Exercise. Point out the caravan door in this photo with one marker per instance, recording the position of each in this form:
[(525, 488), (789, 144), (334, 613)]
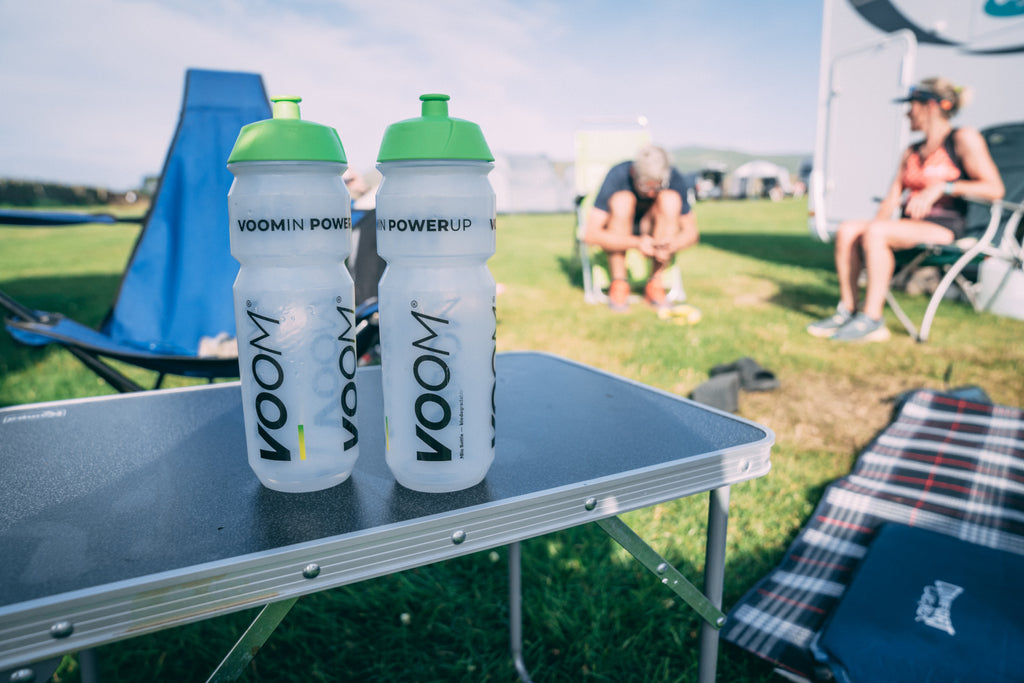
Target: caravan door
[(861, 131)]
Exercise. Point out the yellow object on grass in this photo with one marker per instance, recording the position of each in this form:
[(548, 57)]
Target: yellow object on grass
[(681, 314)]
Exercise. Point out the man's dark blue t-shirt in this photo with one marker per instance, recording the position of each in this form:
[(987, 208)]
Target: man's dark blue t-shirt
[(619, 178)]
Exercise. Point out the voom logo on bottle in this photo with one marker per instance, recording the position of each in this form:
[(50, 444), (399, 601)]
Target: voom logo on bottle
[(335, 381), (325, 385), (266, 369), (432, 375)]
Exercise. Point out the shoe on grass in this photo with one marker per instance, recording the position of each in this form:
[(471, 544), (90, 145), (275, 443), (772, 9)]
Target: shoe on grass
[(654, 293), (829, 326), (618, 296), (862, 328)]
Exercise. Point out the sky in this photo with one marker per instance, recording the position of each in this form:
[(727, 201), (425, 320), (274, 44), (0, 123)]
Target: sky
[(90, 90)]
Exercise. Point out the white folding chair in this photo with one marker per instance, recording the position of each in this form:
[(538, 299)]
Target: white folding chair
[(995, 235)]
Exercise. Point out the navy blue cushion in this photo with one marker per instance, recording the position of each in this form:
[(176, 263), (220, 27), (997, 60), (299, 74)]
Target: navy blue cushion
[(924, 606)]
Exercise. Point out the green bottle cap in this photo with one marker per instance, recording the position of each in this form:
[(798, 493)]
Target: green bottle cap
[(286, 137), (434, 135)]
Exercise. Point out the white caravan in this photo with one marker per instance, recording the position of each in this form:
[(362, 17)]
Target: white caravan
[(872, 51)]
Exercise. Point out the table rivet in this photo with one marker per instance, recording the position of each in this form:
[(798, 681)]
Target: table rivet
[(23, 676), (663, 567), (591, 503), (720, 622), (62, 629), (745, 466), (458, 537), (311, 570)]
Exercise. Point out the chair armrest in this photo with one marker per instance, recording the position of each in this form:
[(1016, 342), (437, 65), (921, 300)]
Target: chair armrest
[(1003, 238), (1001, 204)]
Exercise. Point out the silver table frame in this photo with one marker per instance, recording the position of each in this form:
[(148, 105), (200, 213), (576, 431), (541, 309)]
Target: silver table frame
[(574, 445)]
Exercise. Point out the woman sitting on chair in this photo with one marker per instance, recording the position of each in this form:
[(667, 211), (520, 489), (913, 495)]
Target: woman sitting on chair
[(936, 172)]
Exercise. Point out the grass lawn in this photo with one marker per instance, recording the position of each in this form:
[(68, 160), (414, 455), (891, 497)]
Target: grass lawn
[(591, 612)]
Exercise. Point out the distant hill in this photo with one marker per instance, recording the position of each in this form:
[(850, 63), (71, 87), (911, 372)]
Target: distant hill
[(689, 159)]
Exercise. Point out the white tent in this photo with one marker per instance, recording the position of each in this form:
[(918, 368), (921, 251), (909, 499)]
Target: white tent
[(760, 178)]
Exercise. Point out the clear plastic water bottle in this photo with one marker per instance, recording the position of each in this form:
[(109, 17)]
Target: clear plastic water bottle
[(291, 229), (436, 230)]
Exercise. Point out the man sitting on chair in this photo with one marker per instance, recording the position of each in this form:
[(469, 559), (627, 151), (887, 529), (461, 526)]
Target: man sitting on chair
[(642, 204)]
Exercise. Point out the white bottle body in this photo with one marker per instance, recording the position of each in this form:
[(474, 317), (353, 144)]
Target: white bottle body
[(291, 230), (435, 229)]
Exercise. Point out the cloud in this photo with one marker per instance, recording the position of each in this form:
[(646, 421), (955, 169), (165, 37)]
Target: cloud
[(92, 90)]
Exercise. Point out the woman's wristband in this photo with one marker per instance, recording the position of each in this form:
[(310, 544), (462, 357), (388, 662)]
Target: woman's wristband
[(948, 189)]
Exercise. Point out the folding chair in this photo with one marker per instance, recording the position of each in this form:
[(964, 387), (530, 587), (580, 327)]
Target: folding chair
[(993, 232), (950, 464), (599, 146), (176, 289)]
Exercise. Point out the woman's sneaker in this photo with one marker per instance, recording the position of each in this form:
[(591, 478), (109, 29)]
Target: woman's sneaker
[(861, 328), (829, 326)]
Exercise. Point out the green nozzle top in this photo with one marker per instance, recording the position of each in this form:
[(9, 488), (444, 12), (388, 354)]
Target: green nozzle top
[(286, 137), (286, 107), (434, 135)]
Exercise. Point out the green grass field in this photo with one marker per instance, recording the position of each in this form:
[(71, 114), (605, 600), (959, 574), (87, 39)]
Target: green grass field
[(591, 612)]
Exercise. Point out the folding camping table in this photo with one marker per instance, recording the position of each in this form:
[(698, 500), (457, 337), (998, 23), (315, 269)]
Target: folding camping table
[(128, 514)]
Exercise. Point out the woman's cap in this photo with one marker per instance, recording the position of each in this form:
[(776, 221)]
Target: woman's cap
[(921, 93)]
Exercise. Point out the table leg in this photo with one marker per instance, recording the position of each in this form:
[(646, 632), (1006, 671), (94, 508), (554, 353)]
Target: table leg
[(89, 667), (251, 641), (714, 580), (515, 617), (707, 604)]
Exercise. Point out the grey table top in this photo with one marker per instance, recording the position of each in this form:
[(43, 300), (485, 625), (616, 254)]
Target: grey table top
[(106, 500)]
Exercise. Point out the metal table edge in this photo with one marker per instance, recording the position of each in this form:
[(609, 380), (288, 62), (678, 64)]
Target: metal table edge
[(108, 613)]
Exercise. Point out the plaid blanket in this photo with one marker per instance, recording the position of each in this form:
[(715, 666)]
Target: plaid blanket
[(945, 464)]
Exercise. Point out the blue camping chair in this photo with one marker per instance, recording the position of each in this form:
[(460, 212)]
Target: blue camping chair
[(176, 289)]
